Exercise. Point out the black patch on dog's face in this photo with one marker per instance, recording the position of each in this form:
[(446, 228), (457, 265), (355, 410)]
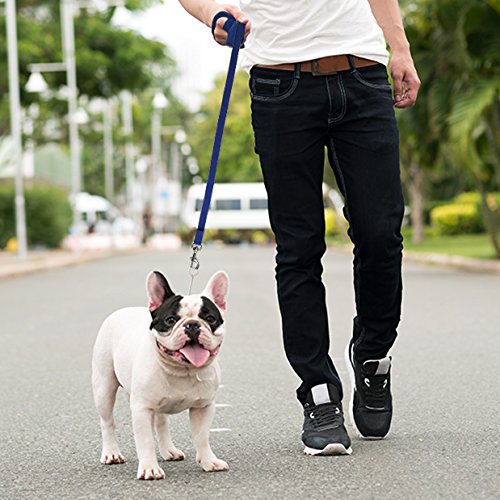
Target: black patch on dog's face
[(210, 313), (167, 315)]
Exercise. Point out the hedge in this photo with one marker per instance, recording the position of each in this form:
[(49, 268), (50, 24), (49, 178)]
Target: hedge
[(48, 215)]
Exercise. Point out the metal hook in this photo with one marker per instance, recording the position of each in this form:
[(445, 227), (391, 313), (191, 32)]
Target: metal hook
[(194, 267)]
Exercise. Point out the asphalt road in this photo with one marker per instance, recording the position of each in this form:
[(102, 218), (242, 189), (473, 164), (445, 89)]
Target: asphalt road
[(444, 439)]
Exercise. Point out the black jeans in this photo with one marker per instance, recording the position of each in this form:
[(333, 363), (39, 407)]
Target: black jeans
[(294, 116)]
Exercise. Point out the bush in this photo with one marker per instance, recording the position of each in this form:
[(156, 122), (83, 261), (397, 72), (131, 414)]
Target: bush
[(331, 225), (457, 218), (48, 215)]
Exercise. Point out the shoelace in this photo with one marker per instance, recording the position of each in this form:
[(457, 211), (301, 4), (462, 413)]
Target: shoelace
[(375, 389), (325, 414)]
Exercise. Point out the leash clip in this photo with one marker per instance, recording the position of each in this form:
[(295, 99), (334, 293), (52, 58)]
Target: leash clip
[(194, 267)]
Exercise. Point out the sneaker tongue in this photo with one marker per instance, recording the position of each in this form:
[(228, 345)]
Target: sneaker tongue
[(323, 394), (195, 354), (377, 367)]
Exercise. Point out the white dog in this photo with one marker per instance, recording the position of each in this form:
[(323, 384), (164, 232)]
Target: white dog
[(164, 358)]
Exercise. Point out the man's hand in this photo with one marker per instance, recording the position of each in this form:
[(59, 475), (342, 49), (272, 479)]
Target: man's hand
[(220, 35), (405, 80), (205, 10)]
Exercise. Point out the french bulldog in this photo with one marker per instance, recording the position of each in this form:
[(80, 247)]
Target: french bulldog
[(164, 356)]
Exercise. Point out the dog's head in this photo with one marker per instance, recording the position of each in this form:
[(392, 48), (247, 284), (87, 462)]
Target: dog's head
[(188, 329)]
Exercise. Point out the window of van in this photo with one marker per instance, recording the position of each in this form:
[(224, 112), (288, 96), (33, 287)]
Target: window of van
[(198, 205), (227, 204), (258, 204)]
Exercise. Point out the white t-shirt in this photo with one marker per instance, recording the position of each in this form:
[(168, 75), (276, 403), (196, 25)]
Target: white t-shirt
[(288, 31)]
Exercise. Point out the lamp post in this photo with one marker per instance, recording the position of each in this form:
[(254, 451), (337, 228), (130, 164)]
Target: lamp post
[(126, 98), (36, 83), (105, 107), (159, 193), (15, 124), (160, 102)]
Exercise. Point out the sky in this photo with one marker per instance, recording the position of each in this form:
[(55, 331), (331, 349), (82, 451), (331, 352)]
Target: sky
[(199, 57)]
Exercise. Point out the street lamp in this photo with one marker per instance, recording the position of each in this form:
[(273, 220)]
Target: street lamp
[(36, 83), (105, 106), (15, 124), (160, 102)]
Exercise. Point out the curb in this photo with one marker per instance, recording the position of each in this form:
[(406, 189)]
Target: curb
[(454, 261), (440, 260), (11, 267)]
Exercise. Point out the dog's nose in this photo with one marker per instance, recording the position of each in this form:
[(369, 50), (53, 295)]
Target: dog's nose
[(192, 329)]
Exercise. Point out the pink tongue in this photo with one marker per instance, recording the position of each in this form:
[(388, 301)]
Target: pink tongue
[(195, 354)]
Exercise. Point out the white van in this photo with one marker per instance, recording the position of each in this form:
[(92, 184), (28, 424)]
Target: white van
[(233, 206)]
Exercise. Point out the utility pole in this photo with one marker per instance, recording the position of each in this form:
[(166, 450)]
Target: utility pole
[(108, 150), (15, 127), (68, 38)]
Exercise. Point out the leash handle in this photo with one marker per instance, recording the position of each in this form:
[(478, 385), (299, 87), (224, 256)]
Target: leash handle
[(235, 30), (236, 33)]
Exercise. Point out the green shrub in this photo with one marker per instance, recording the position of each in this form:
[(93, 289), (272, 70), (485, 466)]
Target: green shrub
[(331, 226), (457, 218), (472, 198), (48, 215)]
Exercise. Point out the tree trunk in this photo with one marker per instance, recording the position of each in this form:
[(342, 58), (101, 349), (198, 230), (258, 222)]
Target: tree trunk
[(416, 193), (489, 221)]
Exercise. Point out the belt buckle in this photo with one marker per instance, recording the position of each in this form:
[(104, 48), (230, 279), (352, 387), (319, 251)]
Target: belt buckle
[(316, 70)]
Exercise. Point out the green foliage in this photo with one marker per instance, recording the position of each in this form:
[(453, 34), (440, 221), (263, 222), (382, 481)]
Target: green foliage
[(457, 218), (453, 132), (48, 215), (238, 161), (331, 225)]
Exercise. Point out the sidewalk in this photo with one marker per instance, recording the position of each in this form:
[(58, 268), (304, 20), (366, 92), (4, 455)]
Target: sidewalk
[(43, 260)]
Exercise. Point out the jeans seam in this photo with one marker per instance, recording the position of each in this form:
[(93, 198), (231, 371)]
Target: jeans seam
[(278, 98), (344, 100), (361, 80)]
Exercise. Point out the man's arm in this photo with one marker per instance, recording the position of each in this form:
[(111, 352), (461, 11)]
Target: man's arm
[(205, 10), (403, 72)]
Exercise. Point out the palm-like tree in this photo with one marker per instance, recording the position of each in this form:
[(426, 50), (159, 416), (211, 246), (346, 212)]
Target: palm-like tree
[(456, 46)]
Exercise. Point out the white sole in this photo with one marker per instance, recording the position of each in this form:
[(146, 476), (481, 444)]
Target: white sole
[(329, 449)]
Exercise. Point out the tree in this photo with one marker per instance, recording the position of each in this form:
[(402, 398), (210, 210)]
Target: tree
[(238, 161), (456, 47), (108, 59)]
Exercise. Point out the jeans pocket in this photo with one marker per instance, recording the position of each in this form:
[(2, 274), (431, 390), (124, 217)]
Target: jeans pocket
[(374, 77), (272, 85)]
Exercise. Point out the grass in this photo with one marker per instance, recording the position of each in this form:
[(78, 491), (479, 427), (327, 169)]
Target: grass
[(477, 246)]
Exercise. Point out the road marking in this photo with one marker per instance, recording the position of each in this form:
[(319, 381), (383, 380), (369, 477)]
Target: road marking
[(221, 429), (222, 405)]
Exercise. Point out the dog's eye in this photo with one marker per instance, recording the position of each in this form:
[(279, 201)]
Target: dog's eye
[(170, 321), (211, 319)]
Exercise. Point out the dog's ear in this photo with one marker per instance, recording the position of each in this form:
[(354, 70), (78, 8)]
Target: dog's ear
[(158, 290), (217, 288)]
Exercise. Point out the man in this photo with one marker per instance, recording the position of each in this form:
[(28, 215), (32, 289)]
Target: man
[(318, 78)]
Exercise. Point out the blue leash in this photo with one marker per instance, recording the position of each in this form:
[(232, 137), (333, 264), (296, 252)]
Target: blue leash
[(235, 35)]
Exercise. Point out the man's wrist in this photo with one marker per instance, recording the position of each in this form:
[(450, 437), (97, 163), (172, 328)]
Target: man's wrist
[(209, 12), (396, 38)]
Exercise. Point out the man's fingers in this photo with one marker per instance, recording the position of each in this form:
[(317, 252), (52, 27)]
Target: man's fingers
[(397, 80), (410, 92), (220, 34)]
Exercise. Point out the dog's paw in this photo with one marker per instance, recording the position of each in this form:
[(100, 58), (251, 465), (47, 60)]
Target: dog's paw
[(172, 455), (112, 457), (150, 472), (212, 464)]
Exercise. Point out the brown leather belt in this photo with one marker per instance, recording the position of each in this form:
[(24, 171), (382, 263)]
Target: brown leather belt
[(324, 66)]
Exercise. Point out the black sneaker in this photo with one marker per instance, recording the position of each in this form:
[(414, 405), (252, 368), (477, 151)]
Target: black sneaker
[(324, 432), (371, 403)]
